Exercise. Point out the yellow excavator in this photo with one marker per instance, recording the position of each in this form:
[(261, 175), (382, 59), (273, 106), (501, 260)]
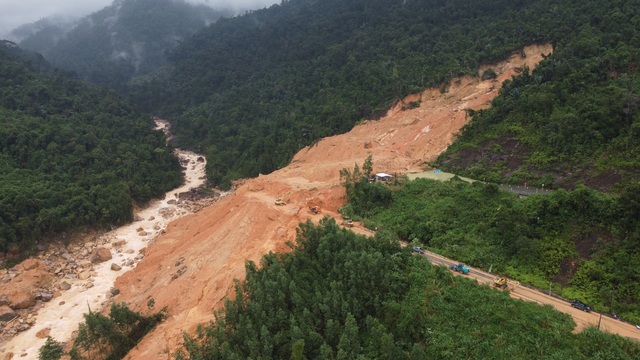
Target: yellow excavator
[(503, 282)]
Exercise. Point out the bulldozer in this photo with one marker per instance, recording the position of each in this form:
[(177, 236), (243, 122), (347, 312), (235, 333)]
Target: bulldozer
[(503, 282)]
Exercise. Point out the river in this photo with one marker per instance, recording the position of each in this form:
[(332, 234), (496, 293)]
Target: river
[(62, 315)]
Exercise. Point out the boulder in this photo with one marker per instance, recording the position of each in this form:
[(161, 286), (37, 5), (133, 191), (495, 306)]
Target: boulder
[(116, 267), (43, 296), (100, 255), (30, 264), (7, 314), (118, 243), (64, 285), (22, 300), (43, 333), (4, 300), (84, 275), (114, 291)]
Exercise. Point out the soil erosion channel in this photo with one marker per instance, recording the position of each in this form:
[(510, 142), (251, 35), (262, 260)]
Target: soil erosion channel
[(61, 316)]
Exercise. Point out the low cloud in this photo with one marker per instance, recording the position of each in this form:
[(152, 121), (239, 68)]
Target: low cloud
[(14, 13)]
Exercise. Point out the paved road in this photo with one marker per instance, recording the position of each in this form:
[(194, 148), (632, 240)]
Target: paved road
[(444, 176), (581, 318)]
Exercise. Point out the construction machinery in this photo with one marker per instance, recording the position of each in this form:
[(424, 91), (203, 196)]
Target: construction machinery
[(315, 210), (281, 200), (461, 268), (503, 282)]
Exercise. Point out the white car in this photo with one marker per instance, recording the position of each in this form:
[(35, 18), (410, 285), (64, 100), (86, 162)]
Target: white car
[(418, 249)]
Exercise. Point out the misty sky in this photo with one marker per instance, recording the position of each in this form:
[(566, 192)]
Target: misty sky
[(14, 13)]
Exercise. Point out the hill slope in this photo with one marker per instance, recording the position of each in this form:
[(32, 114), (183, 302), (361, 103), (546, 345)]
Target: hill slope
[(70, 155), (315, 68), (214, 243), (573, 120)]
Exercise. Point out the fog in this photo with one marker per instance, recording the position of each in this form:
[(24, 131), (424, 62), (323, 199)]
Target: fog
[(14, 13)]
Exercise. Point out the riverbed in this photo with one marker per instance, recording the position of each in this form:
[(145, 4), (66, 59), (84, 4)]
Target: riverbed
[(61, 316)]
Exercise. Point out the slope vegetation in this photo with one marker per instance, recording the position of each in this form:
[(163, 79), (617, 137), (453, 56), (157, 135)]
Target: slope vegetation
[(573, 120)]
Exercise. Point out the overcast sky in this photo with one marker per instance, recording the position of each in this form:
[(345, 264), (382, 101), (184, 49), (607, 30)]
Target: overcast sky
[(14, 13)]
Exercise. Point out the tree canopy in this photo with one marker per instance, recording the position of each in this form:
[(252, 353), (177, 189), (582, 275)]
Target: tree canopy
[(71, 155)]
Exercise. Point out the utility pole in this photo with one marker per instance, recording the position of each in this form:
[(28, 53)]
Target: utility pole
[(599, 320)]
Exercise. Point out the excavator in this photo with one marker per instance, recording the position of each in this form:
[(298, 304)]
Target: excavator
[(315, 210), (503, 282)]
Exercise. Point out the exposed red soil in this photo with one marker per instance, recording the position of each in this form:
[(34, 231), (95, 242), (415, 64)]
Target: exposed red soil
[(214, 243)]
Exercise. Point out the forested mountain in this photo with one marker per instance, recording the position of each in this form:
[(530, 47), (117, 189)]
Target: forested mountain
[(70, 155), (574, 119), (254, 89), (124, 40)]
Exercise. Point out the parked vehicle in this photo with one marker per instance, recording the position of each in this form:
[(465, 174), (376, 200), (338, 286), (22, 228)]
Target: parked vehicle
[(580, 306), (418, 249)]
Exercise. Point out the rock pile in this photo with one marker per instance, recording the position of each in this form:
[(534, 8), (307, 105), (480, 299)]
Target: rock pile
[(26, 286)]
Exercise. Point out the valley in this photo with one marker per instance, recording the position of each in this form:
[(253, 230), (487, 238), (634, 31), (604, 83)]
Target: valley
[(77, 280)]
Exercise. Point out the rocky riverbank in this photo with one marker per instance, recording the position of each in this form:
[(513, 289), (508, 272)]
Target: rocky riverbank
[(48, 294)]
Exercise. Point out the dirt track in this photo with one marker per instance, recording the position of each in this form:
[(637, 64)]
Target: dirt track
[(581, 318)]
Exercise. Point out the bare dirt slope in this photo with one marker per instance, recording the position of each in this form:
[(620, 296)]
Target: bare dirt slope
[(191, 268)]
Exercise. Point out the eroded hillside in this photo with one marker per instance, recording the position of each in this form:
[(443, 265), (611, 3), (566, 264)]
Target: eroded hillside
[(191, 268)]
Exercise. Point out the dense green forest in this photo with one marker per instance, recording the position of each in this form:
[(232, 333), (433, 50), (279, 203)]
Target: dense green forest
[(583, 242), (71, 155), (125, 40), (574, 119), (250, 91), (339, 295)]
